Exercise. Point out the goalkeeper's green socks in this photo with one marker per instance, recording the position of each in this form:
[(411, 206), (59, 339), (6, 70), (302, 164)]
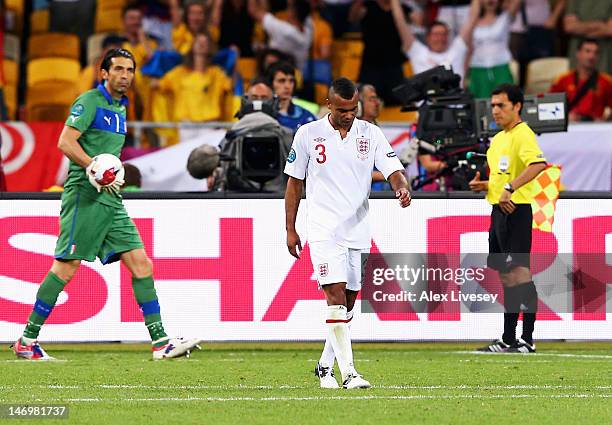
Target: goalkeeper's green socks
[(46, 297), (146, 297)]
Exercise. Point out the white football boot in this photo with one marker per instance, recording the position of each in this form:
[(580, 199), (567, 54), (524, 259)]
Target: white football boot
[(355, 380), (175, 347), (326, 376)]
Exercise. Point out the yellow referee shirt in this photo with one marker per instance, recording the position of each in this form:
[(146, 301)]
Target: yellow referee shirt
[(509, 154)]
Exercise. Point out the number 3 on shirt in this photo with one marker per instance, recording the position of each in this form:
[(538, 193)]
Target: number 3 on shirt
[(321, 158)]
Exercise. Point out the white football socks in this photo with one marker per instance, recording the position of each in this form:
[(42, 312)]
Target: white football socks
[(337, 323), (328, 356)]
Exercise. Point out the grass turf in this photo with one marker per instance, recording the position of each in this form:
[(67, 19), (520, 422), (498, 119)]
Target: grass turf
[(268, 383)]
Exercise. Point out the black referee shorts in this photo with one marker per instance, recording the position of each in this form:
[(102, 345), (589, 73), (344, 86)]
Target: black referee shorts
[(510, 238)]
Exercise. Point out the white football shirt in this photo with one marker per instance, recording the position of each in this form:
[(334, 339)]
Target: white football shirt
[(338, 175)]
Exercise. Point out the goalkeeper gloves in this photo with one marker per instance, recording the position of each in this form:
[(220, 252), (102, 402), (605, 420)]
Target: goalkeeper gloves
[(108, 180)]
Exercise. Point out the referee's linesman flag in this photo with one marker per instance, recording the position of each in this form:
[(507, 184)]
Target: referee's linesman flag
[(545, 191)]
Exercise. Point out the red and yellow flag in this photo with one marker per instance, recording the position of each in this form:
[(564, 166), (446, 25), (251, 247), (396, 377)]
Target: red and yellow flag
[(545, 191)]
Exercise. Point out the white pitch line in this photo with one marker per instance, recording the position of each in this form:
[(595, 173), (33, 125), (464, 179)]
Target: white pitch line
[(295, 387), (539, 354), (323, 398)]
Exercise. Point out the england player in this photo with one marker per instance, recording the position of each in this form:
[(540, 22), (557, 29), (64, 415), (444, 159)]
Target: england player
[(93, 220), (336, 155)]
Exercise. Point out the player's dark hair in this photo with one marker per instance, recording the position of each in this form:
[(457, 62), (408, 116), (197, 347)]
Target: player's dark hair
[(514, 93), (116, 53), (435, 24), (281, 66), (344, 88), (587, 40)]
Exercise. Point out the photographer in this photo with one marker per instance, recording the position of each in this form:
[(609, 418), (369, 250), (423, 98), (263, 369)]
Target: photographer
[(257, 124)]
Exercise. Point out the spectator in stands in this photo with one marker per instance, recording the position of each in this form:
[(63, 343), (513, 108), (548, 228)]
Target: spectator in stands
[(198, 88), (438, 51), (156, 21), (282, 79), (382, 59), (142, 48), (590, 19), (236, 26), (336, 12), (293, 36), (133, 31), (268, 56), (589, 91), (454, 14), (194, 20), (491, 57), (532, 34)]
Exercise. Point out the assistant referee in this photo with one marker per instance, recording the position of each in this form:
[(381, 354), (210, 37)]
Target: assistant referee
[(514, 160)]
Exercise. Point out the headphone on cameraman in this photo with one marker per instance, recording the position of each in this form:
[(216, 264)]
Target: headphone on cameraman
[(360, 88)]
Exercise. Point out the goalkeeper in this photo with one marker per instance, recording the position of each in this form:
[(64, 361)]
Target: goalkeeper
[(93, 220)]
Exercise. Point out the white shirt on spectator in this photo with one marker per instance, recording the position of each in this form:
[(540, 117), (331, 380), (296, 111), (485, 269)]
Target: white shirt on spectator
[(288, 39), (491, 43), (422, 58), (338, 175)]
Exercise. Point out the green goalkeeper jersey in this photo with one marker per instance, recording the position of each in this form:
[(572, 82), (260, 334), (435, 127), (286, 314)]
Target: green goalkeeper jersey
[(102, 123)]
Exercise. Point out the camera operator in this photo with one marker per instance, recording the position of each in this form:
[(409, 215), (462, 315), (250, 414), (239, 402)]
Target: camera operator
[(257, 118)]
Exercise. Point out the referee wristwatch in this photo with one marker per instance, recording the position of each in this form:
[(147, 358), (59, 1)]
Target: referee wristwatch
[(509, 187)]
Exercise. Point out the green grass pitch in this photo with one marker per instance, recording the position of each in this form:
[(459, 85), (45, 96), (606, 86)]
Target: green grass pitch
[(268, 383)]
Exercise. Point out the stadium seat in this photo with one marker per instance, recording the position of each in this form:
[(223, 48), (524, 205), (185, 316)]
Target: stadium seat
[(50, 101), (94, 46), (108, 20), (14, 16), (541, 73), (10, 100), (11, 78), (52, 69), (111, 4), (39, 21), (514, 70), (53, 45), (12, 47), (11, 72)]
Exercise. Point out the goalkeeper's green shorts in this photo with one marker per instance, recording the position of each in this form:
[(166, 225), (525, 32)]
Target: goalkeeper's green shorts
[(89, 229)]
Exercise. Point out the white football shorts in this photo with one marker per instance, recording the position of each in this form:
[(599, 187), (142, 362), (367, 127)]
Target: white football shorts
[(333, 263)]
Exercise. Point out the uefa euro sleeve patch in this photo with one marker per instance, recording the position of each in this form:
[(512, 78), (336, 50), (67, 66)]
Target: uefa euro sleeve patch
[(77, 110), (292, 156)]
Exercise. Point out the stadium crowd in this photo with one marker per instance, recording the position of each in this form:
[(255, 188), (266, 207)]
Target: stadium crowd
[(196, 58)]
